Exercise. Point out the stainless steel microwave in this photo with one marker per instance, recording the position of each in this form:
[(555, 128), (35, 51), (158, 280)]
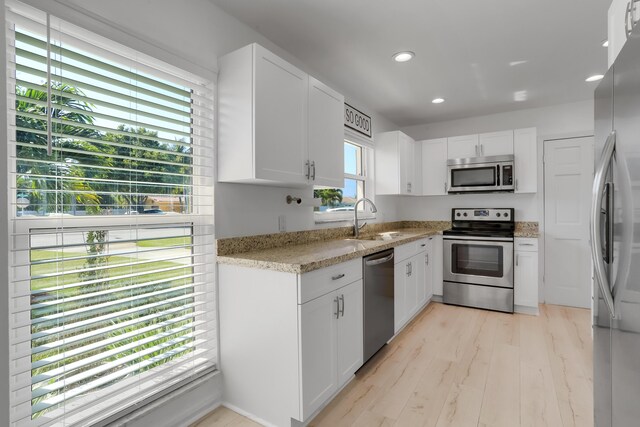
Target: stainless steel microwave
[(480, 174)]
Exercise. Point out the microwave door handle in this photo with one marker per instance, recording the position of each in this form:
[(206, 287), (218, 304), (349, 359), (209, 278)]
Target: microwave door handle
[(498, 176), (599, 186)]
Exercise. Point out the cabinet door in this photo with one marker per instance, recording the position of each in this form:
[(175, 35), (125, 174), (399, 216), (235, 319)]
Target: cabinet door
[(420, 267), (280, 119), (437, 264), (434, 167), (326, 135), (406, 154), (526, 279), (496, 143), (526, 160), (429, 272), (350, 331), (400, 275), (318, 336), (462, 146), (411, 288)]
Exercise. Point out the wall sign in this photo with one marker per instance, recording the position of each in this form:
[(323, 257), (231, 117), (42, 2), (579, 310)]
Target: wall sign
[(357, 120)]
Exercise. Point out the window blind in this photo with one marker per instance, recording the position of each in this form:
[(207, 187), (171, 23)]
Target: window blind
[(112, 251)]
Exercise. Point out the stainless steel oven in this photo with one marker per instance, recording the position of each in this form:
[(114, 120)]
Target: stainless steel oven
[(479, 260), (481, 174)]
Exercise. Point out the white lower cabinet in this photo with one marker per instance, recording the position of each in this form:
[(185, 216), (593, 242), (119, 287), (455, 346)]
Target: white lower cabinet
[(331, 344), (437, 264), (288, 342), (525, 275), (413, 280)]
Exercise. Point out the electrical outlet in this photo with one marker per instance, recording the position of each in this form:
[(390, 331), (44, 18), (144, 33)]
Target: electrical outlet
[(282, 223)]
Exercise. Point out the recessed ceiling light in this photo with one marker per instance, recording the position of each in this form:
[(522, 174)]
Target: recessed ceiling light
[(438, 101), (403, 56), (594, 78), (605, 43)]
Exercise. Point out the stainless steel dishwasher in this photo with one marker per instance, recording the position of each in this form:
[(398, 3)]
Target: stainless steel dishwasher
[(378, 301)]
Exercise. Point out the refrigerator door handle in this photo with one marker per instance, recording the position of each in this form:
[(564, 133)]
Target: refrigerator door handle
[(596, 209)]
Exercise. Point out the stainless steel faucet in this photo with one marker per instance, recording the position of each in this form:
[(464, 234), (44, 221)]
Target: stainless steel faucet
[(356, 227)]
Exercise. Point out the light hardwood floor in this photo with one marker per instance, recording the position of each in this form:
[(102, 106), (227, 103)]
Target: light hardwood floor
[(455, 366)]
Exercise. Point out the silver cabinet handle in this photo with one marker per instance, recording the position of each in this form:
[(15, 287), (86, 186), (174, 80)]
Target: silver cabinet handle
[(337, 313), (337, 276), (342, 310), (596, 209), (516, 184), (445, 187), (313, 168), (423, 245), (408, 187), (477, 150), (525, 244), (517, 259), (427, 259), (308, 166), (481, 150)]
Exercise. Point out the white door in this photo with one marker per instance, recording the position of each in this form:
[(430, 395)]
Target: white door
[(319, 358), (496, 143), (411, 288), (420, 266), (281, 93), (429, 271), (400, 276), (434, 167), (568, 176), (350, 329), (462, 146), (406, 151), (326, 135), (525, 148), (525, 277), (437, 263)]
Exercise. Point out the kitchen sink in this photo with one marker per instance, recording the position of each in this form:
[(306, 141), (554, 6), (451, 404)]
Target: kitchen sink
[(383, 236)]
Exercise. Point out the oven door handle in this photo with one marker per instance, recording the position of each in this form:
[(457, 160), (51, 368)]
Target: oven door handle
[(479, 238)]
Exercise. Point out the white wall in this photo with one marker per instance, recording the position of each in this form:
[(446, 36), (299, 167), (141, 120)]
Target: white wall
[(553, 121)]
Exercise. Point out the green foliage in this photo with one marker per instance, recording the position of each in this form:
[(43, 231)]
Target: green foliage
[(330, 197)]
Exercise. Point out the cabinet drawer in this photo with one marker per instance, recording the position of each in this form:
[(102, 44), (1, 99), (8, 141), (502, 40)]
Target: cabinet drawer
[(320, 282), (526, 244), (405, 251)]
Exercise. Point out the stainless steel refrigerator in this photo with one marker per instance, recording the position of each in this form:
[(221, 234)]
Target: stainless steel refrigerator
[(615, 240)]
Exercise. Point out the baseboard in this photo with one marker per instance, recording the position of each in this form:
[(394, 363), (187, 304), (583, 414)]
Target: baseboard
[(436, 298), (248, 415), (525, 309), (294, 423)]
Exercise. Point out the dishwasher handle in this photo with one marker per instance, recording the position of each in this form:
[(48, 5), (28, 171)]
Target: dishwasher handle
[(377, 261)]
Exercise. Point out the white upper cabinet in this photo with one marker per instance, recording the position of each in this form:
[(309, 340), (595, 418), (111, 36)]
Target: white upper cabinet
[(326, 135), (463, 146), (434, 166), (622, 16), (525, 147), (272, 119), (495, 143), (396, 170)]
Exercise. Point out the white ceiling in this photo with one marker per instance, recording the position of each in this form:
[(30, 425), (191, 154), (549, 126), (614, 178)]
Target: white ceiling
[(477, 54)]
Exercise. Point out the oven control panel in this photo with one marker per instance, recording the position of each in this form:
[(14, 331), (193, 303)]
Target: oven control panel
[(483, 214)]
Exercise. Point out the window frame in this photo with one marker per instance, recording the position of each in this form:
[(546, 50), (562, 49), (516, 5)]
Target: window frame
[(366, 178), (109, 401)]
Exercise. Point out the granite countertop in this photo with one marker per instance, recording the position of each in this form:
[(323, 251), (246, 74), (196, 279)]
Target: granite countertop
[(307, 257)]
